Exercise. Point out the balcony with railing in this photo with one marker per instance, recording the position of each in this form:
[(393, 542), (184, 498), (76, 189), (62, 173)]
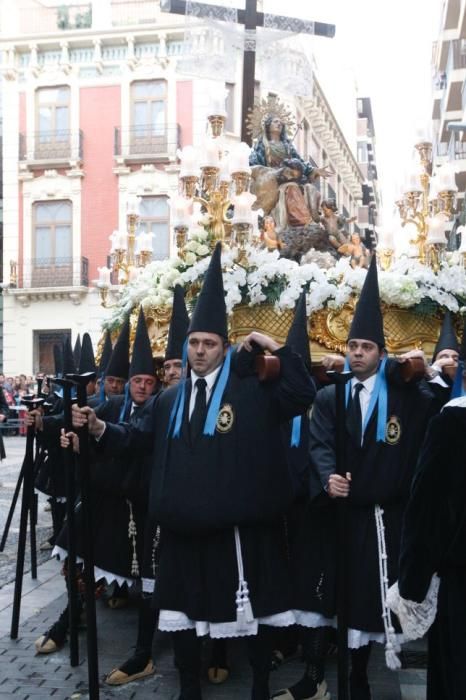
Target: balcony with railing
[(147, 143), (456, 147), (54, 272), (46, 148)]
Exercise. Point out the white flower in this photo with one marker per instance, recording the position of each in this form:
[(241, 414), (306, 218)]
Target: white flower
[(202, 250), (190, 258), (192, 245)]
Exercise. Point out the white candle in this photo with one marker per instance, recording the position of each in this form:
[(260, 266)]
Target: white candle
[(180, 208), (446, 178), (243, 208), (132, 205), (121, 241), (225, 170), (436, 230), (145, 245), (189, 162), (104, 276), (239, 159), (113, 238), (217, 105), (413, 182), (386, 238), (210, 157)]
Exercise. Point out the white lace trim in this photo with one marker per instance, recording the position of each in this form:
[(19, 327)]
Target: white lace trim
[(392, 647), (356, 638), (176, 621), (99, 573), (148, 585), (415, 618)]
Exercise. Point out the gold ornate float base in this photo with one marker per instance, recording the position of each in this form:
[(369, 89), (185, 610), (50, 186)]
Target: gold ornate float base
[(328, 328)]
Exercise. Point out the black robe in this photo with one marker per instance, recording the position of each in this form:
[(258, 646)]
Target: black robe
[(434, 540), (199, 491), (381, 475), (4, 411), (111, 491)]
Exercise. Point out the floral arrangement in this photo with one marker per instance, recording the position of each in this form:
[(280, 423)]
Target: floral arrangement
[(265, 278)]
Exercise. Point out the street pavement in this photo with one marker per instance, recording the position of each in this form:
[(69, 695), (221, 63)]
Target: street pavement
[(27, 676)]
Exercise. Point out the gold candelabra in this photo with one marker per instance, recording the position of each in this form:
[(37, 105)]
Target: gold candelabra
[(415, 207), (127, 261)]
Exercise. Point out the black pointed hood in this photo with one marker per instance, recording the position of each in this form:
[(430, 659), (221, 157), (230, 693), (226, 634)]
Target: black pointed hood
[(69, 366), (367, 323), (87, 359), (77, 351), (297, 337), (106, 354), (58, 360), (210, 314), (141, 361), (178, 329), (447, 339), (118, 365)]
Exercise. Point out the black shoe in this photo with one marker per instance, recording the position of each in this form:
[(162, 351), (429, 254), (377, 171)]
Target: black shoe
[(360, 689)]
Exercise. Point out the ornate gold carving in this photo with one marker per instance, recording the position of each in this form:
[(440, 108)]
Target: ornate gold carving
[(328, 328), (158, 321)]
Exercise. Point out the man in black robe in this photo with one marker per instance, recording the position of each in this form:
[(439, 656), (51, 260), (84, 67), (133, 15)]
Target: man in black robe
[(220, 487), (140, 664), (434, 541), (386, 418)]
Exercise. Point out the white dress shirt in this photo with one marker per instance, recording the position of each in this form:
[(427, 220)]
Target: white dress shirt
[(364, 394), (210, 380)]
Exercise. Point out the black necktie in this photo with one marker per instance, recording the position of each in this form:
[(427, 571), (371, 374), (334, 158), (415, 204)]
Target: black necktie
[(198, 416), (354, 415)]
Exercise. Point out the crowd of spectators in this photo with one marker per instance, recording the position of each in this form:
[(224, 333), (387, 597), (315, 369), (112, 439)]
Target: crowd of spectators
[(14, 388)]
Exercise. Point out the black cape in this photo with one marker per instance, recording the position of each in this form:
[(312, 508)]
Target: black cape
[(434, 540), (237, 477)]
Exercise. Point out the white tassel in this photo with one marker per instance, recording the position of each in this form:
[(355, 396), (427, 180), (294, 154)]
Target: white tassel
[(391, 645), (244, 614), (132, 534)]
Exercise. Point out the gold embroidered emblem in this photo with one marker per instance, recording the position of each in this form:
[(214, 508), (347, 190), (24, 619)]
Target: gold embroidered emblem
[(393, 430), (225, 418)]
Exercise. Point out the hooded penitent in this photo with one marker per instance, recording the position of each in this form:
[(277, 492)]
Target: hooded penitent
[(447, 339), (87, 360), (141, 361), (210, 313), (367, 321), (118, 365), (106, 353), (178, 329)]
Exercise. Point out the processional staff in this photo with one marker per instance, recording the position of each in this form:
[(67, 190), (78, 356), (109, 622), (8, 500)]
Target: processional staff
[(71, 571), (27, 508), (340, 379), (81, 381)]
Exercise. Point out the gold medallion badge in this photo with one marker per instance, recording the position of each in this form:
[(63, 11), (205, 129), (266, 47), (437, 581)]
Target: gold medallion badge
[(393, 430), (225, 418)]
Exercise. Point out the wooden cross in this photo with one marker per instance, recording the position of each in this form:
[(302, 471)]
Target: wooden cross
[(252, 19)]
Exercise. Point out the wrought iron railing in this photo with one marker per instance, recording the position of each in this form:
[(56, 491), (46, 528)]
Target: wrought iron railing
[(56, 145), (147, 141), (54, 272)]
